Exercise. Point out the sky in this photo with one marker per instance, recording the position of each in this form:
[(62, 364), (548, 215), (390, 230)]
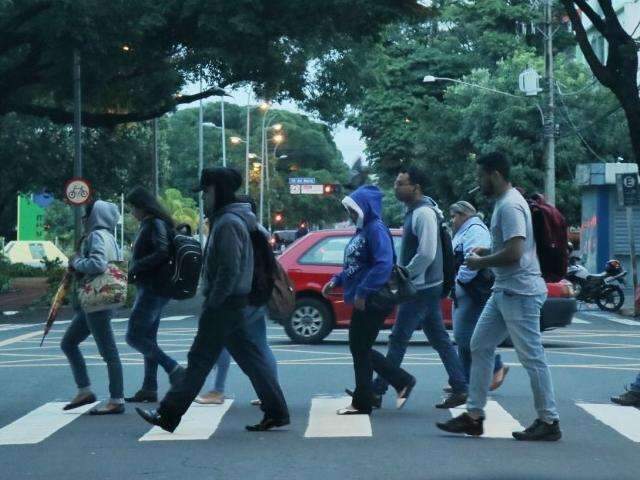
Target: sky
[(347, 139)]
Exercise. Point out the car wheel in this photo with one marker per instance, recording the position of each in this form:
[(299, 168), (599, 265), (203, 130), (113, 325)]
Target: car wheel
[(310, 322)]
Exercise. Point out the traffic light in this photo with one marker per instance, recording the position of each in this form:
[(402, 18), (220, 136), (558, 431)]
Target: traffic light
[(278, 217), (331, 188)]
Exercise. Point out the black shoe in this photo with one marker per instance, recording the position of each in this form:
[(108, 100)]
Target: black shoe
[(453, 400), (143, 396), (403, 395), (154, 418), (540, 432), (463, 423), (118, 410), (177, 376), (627, 399), (376, 400), (268, 424), (85, 401)]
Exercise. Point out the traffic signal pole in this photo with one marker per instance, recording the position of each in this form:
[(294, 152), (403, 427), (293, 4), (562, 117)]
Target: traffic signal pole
[(77, 136)]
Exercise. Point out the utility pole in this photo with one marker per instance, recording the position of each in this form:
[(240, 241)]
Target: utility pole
[(77, 135), (550, 123), (155, 180), (246, 145), (224, 140)]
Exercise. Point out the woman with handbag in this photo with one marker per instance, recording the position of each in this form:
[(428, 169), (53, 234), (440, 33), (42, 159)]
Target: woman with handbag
[(472, 288), (150, 270), (368, 264), (93, 266)]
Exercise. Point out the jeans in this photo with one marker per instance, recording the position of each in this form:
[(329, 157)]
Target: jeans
[(97, 324), (219, 328), (142, 335), (466, 313), (635, 386), (363, 331), (519, 317), (256, 328), (218, 381), (423, 311)]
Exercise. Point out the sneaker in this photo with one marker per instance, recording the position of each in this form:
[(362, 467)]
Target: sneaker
[(463, 423), (256, 402), (540, 431), (453, 400), (447, 389), (627, 399), (403, 395), (211, 398)]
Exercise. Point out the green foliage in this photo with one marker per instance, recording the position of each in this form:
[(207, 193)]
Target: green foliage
[(182, 209), (16, 270)]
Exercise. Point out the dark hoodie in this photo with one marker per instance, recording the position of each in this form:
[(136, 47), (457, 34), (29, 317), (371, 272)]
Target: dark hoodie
[(368, 259), (99, 246), (228, 262)]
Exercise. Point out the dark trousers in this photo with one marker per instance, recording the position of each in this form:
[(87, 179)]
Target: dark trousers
[(363, 331), (217, 329), (142, 334)]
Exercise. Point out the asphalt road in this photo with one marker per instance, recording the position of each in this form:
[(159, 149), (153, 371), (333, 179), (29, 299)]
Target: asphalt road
[(590, 361)]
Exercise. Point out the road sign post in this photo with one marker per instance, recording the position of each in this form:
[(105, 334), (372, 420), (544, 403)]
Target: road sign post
[(629, 196)]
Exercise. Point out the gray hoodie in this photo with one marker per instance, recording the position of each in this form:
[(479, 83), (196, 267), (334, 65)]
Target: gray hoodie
[(99, 246), (228, 262)]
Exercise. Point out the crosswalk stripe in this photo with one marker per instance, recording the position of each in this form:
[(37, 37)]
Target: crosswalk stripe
[(325, 423), (580, 321), (40, 423), (624, 420), (498, 424), (199, 423)]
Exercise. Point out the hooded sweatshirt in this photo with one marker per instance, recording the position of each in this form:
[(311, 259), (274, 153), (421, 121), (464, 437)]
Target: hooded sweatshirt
[(99, 246), (228, 261), (369, 255)]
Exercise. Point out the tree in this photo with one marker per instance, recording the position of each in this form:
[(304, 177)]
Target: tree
[(182, 209), (619, 70), (137, 55)]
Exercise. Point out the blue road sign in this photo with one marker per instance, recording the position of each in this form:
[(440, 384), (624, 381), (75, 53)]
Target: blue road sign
[(302, 181)]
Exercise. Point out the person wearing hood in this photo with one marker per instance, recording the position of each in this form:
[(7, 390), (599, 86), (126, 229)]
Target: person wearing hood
[(422, 255), (228, 269), (150, 271), (98, 248), (472, 288), (368, 262)]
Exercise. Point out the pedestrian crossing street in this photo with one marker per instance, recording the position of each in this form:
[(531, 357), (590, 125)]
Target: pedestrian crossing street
[(202, 421)]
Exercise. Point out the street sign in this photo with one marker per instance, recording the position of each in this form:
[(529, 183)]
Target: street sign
[(312, 189), (294, 189), (302, 180), (628, 189), (77, 191), (31, 225)]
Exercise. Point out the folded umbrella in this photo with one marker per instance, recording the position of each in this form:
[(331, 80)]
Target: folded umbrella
[(58, 299)]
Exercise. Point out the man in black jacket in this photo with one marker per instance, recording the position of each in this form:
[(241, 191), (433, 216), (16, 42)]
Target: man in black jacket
[(228, 274)]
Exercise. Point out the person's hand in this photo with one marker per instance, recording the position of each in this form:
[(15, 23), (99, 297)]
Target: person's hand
[(473, 261), (326, 290), (481, 251), (359, 303)]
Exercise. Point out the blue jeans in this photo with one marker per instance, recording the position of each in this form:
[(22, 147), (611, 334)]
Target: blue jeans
[(466, 313), (97, 324), (635, 386), (423, 311), (142, 335), (255, 326), (519, 317)]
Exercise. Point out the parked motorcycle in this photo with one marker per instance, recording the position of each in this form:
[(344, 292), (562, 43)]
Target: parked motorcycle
[(604, 289)]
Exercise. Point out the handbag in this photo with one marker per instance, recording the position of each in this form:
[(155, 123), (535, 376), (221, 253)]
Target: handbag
[(398, 289), (105, 291)]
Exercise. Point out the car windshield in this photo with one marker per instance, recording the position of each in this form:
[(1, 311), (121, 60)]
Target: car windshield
[(330, 251)]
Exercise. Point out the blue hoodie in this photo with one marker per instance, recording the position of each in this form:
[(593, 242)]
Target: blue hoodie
[(369, 256)]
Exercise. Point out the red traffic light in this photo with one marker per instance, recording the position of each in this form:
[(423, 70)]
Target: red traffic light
[(330, 188), (278, 217)]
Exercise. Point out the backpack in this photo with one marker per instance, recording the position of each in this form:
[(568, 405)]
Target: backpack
[(448, 257), (550, 233), (185, 266), (283, 298)]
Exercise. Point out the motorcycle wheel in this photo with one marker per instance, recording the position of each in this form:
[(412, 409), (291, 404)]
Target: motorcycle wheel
[(611, 299)]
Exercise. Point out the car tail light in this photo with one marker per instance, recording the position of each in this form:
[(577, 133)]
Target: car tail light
[(562, 289)]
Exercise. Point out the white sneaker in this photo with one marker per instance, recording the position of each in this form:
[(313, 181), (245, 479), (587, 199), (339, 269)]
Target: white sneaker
[(256, 402), (211, 398)]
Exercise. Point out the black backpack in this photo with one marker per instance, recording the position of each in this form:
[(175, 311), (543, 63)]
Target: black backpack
[(185, 267), (264, 268), (448, 261)]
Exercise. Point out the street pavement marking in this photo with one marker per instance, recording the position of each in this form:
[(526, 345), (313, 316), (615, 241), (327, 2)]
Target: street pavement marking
[(498, 424), (199, 423), (580, 321), (325, 423), (19, 338), (40, 423), (624, 321), (624, 420)]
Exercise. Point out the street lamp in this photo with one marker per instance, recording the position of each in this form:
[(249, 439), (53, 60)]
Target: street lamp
[(236, 140), (528, 83)]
